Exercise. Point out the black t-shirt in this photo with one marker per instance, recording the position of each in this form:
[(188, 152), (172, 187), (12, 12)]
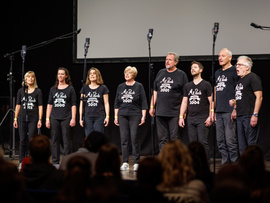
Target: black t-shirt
[(62, 100), (225, 88), (34, 100), (94, 103), (169, 87), (130, 100), (198, 103), (244, 93)]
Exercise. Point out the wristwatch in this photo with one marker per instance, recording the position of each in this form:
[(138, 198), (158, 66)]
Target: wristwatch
[(255, 114)]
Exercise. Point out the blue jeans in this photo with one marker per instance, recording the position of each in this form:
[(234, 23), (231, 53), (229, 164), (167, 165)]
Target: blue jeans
[(197, 131), (247, 135), (93, 124), (226, 138)]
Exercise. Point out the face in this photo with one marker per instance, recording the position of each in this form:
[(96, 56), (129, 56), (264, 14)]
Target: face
[(30, 79), (195, 70), (61, 76), (224, 57), (170, 61), (129, 75), (93, 76), (241, 68)]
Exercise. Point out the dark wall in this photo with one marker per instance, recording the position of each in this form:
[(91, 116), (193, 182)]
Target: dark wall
[(30, 23)]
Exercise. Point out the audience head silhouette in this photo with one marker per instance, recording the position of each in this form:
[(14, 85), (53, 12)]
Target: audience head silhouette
[(94, 141)]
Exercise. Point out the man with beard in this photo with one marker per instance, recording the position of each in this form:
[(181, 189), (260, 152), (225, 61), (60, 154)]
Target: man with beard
[(166, 99), (197, 100)]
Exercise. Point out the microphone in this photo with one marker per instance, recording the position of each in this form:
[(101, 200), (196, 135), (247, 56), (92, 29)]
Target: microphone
[(23, 51), (78, 31), (215, 29), (255, 25), (86, 45), (150, 34)]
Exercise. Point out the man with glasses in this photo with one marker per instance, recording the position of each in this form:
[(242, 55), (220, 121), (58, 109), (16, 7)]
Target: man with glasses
[(247, 102), (225, 82)]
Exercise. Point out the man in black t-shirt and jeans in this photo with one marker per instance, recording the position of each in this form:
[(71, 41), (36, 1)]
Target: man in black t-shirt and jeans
[(226, 78), (197, 100), (248, 100), (166, 100)]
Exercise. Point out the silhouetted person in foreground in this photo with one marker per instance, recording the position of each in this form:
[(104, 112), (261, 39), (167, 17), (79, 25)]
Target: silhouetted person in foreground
[(39, 173)]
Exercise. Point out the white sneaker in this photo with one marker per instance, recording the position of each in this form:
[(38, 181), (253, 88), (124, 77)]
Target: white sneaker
[(135, 167), (20, 167), (124, 167)]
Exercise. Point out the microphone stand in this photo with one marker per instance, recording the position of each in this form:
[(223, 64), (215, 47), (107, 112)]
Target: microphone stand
[(213, 100), (11, 80), (150, 89), (86, 46), (25, 90)]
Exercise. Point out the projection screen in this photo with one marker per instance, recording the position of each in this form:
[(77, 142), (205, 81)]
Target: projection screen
[(118, 28)]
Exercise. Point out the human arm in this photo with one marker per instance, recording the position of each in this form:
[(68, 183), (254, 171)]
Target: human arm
[(143, 117), (107, 109), (209, 120), (81, 110), (40, 114), (48, 115), (116, 117), (232, 102), (17, 111), (73, 116), (153, 103), (258, 103), (183, 109)]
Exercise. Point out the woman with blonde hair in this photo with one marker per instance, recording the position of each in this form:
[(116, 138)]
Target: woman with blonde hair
[(94, 105), (28, 111), (179, 181), (129, 113)]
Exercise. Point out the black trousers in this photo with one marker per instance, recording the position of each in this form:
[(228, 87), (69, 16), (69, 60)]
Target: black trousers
[(129, 128), (60, 130), (26, 131)]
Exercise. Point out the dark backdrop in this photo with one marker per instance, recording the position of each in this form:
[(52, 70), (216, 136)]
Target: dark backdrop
[(31, 22)]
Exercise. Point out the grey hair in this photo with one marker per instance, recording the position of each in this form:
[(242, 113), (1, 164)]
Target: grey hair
[(176, 56), (248, 61), (228, 51)]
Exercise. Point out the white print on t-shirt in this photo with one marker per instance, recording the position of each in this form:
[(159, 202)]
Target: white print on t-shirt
[(92, 98), (194, 96), (221, 83), (60, 99), (127, 96), (166, 84), (238, 93), (30, 102)]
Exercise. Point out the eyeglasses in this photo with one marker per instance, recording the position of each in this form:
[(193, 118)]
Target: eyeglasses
[(240, 64)]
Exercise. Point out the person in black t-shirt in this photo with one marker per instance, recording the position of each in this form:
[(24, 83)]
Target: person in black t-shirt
[(129, 113), (61, 114), (197, 100), (94, 110), (29, 104), (167, 97), (247, 102), (226, 78)]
